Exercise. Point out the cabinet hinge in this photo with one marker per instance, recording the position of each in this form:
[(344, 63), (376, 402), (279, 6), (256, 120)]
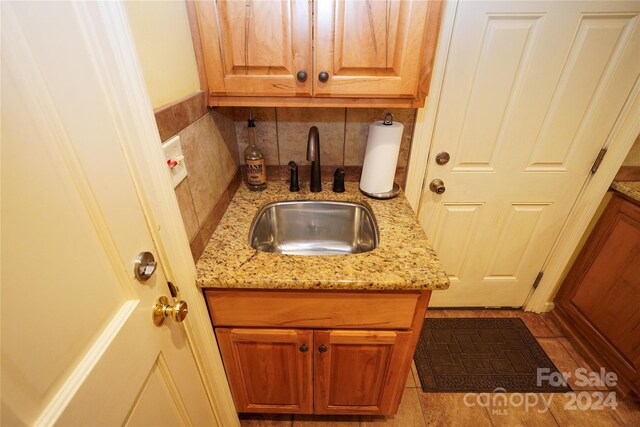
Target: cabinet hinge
[(596, 164), (538, 279)]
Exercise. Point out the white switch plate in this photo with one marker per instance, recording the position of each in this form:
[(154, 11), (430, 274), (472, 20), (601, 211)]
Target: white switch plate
[(173, 151)]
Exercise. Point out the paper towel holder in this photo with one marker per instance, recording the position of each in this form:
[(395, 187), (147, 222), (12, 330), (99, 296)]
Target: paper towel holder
[(388, 119)]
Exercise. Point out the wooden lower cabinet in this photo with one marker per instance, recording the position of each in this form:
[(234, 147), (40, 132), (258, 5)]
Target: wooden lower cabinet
[(340, 365), (360, 371), (598, 304), (269, 370)]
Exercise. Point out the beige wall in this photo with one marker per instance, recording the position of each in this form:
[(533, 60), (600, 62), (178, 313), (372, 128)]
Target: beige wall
[(163, 41), (633, 158)]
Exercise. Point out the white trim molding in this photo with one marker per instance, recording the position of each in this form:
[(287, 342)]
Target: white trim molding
[(618, 144), (426, 118)]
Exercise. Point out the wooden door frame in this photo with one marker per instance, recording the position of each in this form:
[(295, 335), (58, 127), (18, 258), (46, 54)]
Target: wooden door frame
[(618, 144), (116, 59)]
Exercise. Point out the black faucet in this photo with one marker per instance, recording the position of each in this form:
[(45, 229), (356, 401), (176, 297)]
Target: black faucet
[(313, 155), (293, 182)]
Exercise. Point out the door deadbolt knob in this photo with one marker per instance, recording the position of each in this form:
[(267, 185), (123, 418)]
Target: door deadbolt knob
[(162, 310), (443, 158), (437, 186), (322, 348), (323, 76), (301, 76)]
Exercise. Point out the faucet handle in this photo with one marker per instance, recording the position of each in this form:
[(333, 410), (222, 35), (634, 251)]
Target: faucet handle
[(293, 182), (338, 181)]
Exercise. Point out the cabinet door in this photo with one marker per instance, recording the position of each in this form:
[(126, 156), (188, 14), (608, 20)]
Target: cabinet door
[(359, 371), (600, 295), (373, 48), (269, 370), (256, 47)]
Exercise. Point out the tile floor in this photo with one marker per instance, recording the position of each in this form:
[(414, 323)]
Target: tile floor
[(419, 409)]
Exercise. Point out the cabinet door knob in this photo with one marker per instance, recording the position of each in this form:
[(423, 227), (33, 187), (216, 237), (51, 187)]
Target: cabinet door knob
[(323, 76), (322, 348), (304, 348), (302, 76)]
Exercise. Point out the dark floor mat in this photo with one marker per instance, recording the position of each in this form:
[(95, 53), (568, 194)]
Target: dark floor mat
[(481, 355)]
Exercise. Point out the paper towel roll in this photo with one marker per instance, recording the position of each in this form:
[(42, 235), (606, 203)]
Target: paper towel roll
[(381, 157)]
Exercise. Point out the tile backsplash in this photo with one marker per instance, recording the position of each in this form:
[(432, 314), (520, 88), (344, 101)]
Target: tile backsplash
[(210, 151), (281, 133)]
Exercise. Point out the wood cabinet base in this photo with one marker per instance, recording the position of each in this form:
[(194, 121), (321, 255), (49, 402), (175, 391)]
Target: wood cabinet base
[(335, 368), (597, 305)]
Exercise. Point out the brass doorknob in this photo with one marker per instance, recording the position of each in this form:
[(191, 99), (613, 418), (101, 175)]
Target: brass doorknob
[(437, 186), (162, 310)]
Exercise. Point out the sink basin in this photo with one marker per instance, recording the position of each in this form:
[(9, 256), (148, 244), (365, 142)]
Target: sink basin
[(314, 228)]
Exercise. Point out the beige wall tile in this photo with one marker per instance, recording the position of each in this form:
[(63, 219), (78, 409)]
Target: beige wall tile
[(357, 132), (201, 146), (225, 139), (293, 132), (187, 210), (266, 135)]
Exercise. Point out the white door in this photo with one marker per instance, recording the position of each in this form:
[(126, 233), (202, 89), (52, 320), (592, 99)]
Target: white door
[(78, 343), (531, 91)]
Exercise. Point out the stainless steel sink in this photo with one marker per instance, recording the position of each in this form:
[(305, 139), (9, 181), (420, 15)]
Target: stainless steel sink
[(314, 228)]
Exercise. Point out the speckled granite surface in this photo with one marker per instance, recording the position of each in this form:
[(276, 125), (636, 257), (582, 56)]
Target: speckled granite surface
[(629, 188), (404, 259)]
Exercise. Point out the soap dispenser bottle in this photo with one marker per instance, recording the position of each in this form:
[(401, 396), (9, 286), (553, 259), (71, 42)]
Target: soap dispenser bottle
[(254, 161)]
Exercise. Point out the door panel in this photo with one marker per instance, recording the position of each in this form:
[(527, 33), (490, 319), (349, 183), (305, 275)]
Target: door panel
[(368, 47), (256, 47), (359, 371), (531, 91), (78, 343), (267, 368)]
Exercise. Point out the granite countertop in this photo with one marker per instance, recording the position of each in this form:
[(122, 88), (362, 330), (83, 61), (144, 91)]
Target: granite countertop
[(404, 259), (628, 188)]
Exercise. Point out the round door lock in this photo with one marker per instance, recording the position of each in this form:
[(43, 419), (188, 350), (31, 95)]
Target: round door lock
[(304, 348), (322, 348), (443, 158), (323, 76), (161, 310), (301, 76), (144, 266), (437, 186)]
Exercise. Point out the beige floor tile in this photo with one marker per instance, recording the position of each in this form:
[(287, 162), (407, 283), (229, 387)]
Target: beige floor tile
[(409, 413), (629, 412), (562, 359), (416, 377), (567, 412), (265, 420), (536, 325), (326, 420), (521, 409), (449, 410), (410, 381), (552, 325), (435, 314)]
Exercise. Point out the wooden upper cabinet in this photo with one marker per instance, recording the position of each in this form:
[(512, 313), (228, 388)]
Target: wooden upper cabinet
[(255, 47), (360, 372), (269, 370), (374, 52), (370, 48)]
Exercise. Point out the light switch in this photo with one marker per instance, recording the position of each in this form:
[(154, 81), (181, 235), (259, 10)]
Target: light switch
[(175, 160)]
